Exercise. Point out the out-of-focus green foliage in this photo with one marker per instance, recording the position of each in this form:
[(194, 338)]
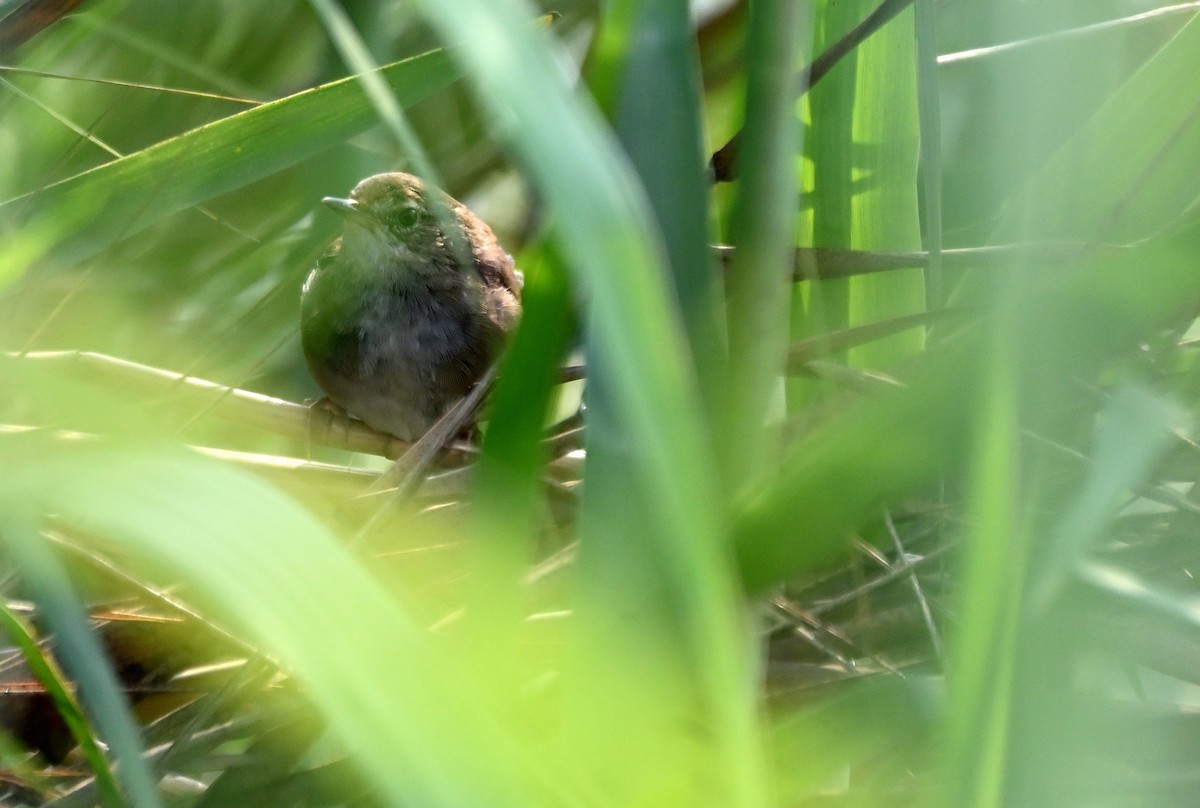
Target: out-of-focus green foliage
[(949, 565)]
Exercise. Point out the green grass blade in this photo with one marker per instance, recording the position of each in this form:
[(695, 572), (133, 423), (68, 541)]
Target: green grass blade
[(930, 115), (856, 725), (644, 73), (994, 576), (884, 213), (58, 689), (78, 647), (830, 167), (877, 450), (763, 230), (1130, 169), (258, 563), (1132, 432), (87, 213), (602, 221), (508, 480)]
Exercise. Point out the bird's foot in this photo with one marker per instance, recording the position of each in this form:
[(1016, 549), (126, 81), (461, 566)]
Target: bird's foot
[(323, 416)]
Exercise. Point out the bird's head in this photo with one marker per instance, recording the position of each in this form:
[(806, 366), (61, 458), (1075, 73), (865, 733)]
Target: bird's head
[(390, 225)]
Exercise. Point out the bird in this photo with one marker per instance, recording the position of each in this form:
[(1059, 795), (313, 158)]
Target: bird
[(402, 315)]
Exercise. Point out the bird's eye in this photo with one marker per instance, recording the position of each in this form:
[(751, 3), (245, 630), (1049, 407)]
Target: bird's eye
[(407, 217)]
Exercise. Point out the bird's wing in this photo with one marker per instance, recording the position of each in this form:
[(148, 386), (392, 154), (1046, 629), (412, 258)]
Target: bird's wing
[(497, 272)]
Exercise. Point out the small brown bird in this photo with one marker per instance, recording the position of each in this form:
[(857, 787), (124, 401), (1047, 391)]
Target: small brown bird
[(397, 321)]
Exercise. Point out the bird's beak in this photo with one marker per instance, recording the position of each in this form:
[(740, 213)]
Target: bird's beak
[(348, 208)]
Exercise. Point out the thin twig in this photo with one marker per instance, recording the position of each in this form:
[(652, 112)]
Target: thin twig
[(827, 263), (150, 384), (892, 574), (918, 590)]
